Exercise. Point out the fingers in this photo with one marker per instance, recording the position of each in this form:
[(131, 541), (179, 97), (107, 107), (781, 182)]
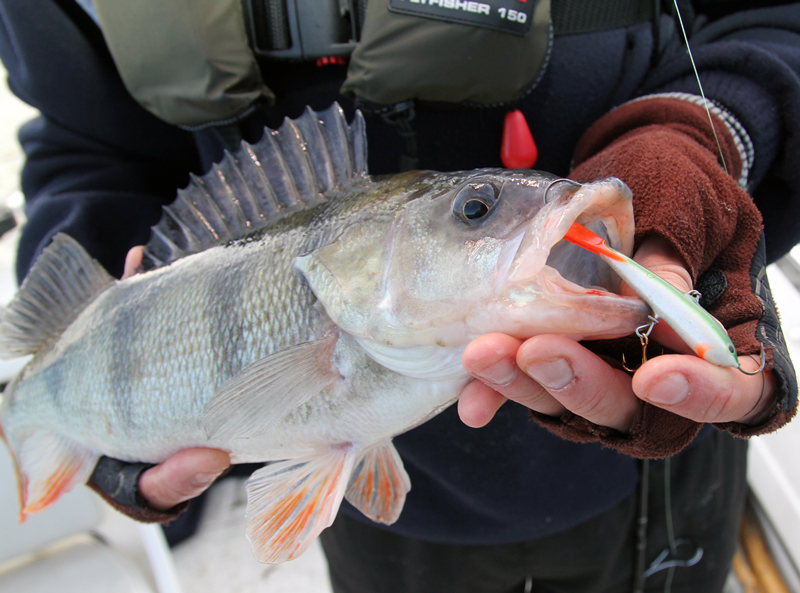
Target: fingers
[(687, 385), (133, 261), (551, 374), (555, 374), (659, 257), (695, 389), (181, 477), (580, 381), (548, 374), (478, 404), (492, 359)]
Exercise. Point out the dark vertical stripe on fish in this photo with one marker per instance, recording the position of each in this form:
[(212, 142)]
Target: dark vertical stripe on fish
[(224, 313), (122, 362)]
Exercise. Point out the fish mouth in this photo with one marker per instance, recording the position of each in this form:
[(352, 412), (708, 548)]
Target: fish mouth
[(604, 207), (583, 268), (546, 272)]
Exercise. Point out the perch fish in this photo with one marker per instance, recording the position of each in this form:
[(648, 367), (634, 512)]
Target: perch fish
[(300, 312)]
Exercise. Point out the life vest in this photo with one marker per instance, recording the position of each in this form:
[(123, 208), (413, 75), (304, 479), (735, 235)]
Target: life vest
[(197, 63)]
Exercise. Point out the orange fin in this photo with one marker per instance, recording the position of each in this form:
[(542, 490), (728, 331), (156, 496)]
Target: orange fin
[(289, 503), (379, 484), (49, 465)]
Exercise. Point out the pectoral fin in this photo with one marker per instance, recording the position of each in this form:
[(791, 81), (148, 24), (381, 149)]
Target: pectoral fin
[(379, 484), (290, 502), (49, 465), (263, 392)]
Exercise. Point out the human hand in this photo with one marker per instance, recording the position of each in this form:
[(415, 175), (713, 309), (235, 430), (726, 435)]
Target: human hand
[(133, 261), (665, 151), (552, 374), (182, 476), (189, 472)]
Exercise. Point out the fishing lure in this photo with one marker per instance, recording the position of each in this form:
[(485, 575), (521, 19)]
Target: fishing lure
[(701, 331)]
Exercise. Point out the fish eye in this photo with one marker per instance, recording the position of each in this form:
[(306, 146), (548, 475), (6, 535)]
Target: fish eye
[(731, 349), (474, 201)]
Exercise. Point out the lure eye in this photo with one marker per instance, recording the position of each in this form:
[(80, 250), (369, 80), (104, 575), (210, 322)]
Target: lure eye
[(474, 201)]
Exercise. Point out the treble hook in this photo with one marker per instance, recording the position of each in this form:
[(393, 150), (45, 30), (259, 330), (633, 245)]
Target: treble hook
[(644, 339), (760, 368)]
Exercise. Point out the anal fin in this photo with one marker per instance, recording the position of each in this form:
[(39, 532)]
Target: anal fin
[(379, 484), (289, 503), (49, 465)]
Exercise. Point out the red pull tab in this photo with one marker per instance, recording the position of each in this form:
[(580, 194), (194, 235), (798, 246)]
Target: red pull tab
[(518, 150)]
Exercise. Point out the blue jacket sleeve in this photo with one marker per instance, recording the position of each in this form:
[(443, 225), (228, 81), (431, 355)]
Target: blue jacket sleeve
[(98, 166)]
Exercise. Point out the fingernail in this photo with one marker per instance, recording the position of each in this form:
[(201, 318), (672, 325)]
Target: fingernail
[(554, 374), (670, 389), (500, 373), (204, 480)]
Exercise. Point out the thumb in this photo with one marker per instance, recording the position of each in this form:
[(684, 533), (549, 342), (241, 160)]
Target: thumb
[(658, 256)]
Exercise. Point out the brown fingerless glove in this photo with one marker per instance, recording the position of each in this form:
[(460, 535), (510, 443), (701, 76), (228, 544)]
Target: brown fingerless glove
[(665, 150)]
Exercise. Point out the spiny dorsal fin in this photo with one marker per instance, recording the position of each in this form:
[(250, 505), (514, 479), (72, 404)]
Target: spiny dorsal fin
[(289, 169), (59, 286)]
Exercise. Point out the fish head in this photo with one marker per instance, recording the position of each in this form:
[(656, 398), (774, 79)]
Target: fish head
[(464, 254)]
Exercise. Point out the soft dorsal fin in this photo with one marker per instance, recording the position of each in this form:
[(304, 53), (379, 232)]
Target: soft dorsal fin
[(289, 169), (58, 287)]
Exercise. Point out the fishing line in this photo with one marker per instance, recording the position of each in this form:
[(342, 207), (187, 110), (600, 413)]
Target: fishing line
[(673, 548), (640, 573), (671, 558), (641, 528), (699, 84)]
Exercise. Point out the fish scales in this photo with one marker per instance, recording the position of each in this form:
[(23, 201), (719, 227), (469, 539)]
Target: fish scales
[(244, 303), (305, 331)]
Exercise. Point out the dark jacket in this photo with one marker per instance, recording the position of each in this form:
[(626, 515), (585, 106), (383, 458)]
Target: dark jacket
[(99, 167)]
